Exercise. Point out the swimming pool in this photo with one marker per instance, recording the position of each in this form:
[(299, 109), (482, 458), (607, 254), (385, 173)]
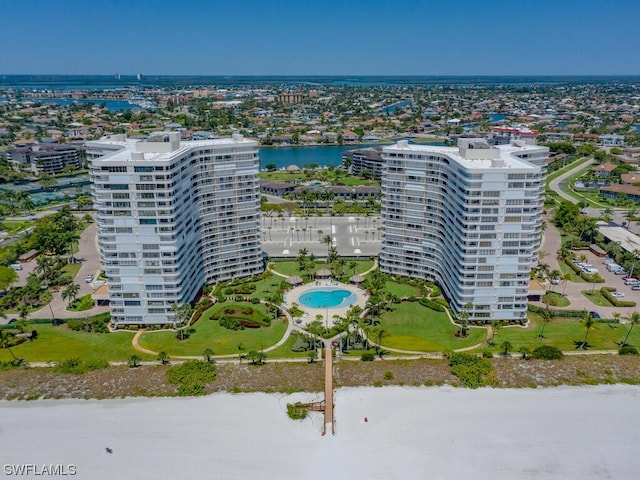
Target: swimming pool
[(328, 298)]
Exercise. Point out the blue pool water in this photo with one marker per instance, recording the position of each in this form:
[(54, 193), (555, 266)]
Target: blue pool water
[(328, 298)]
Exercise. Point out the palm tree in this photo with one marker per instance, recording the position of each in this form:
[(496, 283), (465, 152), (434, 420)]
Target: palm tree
[(589, 322), (525, 351), (241, 349), (506, 346), (327, 241), (379, 333), (546, 318), (70, 292), (633, 319), (207, 354), (6, 343), (352, 266), (44, 266), (163, 358)]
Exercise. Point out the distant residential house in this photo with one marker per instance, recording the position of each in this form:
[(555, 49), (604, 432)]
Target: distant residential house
[(586, 137), (630, 178), (282, 139), (276, 188), (558, 136), (309, 139), (611, 139), (202, 136), (349, 137), (330, 137), (604, 170), (618, 191)]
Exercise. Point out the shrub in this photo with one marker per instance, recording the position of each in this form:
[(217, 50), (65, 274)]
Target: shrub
[(231, 323), (76, 365), (547, 352), (191, 377), (296, 411), (388, 375), (471, 370), (433, 305), (76, 324), (487, 354), (628, 350), (367, 357), (606, 293)]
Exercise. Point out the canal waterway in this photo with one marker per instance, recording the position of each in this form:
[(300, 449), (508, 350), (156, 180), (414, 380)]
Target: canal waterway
[(304, 157)]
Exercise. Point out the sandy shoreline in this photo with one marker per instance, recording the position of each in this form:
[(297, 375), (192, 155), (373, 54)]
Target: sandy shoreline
[(563, 432)]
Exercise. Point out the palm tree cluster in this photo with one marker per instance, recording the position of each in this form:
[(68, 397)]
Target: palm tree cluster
[(12, 202)]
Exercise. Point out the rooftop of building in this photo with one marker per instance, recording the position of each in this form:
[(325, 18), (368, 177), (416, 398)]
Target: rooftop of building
[(475, 153), (160, 146)]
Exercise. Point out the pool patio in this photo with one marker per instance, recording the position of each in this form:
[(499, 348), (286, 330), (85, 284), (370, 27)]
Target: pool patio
[(293, 296)]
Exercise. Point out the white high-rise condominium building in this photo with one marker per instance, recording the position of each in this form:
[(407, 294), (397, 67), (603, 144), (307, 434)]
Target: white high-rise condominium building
[(467, 217), (173, 216)]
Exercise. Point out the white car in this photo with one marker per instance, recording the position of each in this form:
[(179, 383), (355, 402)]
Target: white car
[(617, 294), (88, 278)]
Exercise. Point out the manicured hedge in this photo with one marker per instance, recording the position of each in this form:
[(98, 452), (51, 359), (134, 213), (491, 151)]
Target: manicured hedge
[(606, 293), (433, 305)]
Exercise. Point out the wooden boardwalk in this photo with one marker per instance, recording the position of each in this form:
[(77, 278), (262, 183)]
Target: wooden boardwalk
[(328, 389)]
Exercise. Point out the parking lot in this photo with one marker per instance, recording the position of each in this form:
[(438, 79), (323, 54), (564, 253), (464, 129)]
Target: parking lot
[(353, 236)]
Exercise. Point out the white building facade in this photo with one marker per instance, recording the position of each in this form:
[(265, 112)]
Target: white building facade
[(173, 216), (468, 218)]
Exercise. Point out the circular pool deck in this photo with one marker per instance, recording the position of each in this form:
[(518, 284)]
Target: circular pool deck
[(293, 296)]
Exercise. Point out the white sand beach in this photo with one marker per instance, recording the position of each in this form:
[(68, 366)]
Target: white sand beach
[(411, 433)]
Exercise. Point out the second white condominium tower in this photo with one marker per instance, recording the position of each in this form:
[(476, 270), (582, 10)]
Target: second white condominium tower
[(171, 217), (467, 217)]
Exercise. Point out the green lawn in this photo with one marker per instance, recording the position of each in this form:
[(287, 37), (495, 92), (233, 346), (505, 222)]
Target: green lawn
[(595, 297), (555, 299), (284, 350), (58, 343), (400, 289), (72, 269), (208, 333), (414, 327), (563, 332), (290, 267), (569, 274)]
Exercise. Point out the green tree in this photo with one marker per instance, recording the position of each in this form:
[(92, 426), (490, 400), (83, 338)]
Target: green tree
[(207, 354), (8, 276), (71, 292), (163, 358), (589, 322), (134, 361), (633, 319), (256, 357), (5, 342), (506, 346)]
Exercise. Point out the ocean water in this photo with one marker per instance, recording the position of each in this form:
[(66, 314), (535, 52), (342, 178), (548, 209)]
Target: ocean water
[(110, 82)]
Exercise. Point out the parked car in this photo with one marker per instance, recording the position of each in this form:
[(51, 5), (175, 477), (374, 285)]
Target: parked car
[(594, 314), (620, 271), (16, 266), (617, 294), (88, 278), (635, 287), (632, 281)]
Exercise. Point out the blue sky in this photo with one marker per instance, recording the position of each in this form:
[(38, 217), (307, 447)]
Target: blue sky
[(321, 37)]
